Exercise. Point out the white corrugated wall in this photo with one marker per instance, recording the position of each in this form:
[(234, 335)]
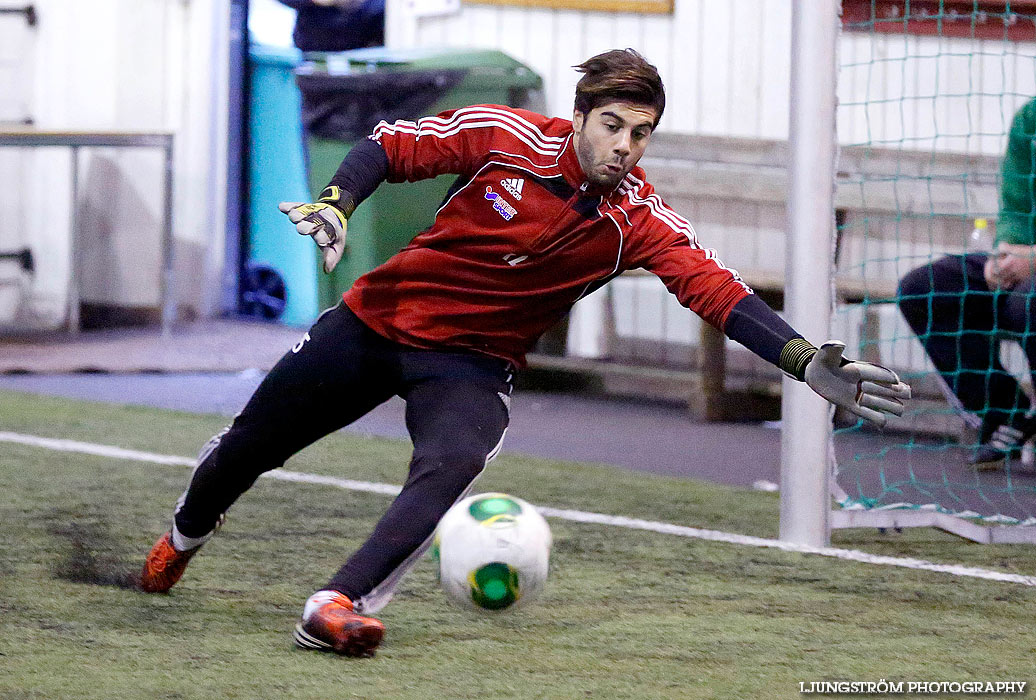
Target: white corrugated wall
[(135, 65), (713, 55), (726, 68)]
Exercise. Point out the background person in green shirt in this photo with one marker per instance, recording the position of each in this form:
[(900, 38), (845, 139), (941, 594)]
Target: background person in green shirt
[(962, 306)]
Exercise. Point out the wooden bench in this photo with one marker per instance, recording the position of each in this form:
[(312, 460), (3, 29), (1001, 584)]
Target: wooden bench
[(709, 397)]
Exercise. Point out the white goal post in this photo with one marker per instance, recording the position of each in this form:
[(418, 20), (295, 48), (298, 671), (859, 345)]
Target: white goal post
[(809, 492), (805, 417)]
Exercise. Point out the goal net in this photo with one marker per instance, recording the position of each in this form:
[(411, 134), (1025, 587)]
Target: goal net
[(928, 92)]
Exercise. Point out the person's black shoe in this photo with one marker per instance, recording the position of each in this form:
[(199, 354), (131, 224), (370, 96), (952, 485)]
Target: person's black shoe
[(1005, 443)]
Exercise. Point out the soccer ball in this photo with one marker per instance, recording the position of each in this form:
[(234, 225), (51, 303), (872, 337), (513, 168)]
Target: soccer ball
[(493, 552)]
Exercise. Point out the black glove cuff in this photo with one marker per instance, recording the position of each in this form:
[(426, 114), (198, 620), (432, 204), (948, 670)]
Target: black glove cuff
[(340, 199), (795, 355)]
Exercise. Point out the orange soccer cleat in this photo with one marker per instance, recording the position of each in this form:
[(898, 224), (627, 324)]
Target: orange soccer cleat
[(164, 565), (329, 624)]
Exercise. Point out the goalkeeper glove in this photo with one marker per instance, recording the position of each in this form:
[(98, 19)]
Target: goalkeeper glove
[(870, 391), (324, 220)]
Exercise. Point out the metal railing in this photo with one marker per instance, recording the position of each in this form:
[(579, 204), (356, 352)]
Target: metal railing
[(75, 141)]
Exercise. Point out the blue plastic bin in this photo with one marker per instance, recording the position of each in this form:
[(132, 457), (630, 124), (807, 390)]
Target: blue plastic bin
[(277, 173)]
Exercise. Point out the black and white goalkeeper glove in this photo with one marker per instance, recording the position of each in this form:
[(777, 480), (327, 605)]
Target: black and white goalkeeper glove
[(869, 391), (324, 221)]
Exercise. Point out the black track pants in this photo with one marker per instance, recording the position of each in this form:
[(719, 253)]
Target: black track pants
[(961, 322), (456, 413)]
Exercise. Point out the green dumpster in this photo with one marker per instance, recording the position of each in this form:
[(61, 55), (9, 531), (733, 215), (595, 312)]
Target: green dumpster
[(345, 95)]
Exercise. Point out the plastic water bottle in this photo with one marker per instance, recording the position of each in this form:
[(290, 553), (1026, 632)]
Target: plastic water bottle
[(981, 240)]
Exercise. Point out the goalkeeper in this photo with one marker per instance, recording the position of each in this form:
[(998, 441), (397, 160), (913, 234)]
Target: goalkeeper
[(962, 306), (544, 211)]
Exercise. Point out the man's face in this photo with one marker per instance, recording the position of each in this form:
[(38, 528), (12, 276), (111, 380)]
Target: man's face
[(611, 139)]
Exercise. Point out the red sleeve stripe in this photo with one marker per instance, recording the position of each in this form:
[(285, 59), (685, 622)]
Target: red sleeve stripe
[(519, 122), (515, 124), (469, 118), (422, 129), (550, 164), (663, 213)]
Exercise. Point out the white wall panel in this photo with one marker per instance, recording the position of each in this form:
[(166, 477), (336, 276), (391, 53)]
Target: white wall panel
[(17, 39), (684, 74), (541, 41), (716, 58), (597, 35), (483, 28), (513, 30), (569, 51), (657, 32), (17, 42), (775, 69), (746, 76), (133, 65), (713, 98), (726, 67)]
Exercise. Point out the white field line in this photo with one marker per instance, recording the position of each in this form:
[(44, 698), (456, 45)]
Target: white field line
[(560, 513)]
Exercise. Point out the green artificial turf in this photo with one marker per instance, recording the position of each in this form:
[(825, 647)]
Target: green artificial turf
[(626, 614)]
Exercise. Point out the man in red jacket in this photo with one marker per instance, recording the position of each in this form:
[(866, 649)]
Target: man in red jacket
[(544, 211)]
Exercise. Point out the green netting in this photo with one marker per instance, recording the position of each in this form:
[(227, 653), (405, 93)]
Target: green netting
[(928, 92)]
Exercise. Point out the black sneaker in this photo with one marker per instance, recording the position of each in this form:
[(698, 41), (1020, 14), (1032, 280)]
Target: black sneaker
[(1005, 443)]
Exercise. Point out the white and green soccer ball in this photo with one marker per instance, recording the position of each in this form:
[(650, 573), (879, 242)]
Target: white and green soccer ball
[(493, 551)]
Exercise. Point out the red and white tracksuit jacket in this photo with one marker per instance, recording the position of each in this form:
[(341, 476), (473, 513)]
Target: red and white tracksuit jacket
[(524, 237)]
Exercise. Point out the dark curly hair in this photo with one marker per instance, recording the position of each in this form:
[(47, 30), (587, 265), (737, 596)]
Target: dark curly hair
[(619, 76)]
